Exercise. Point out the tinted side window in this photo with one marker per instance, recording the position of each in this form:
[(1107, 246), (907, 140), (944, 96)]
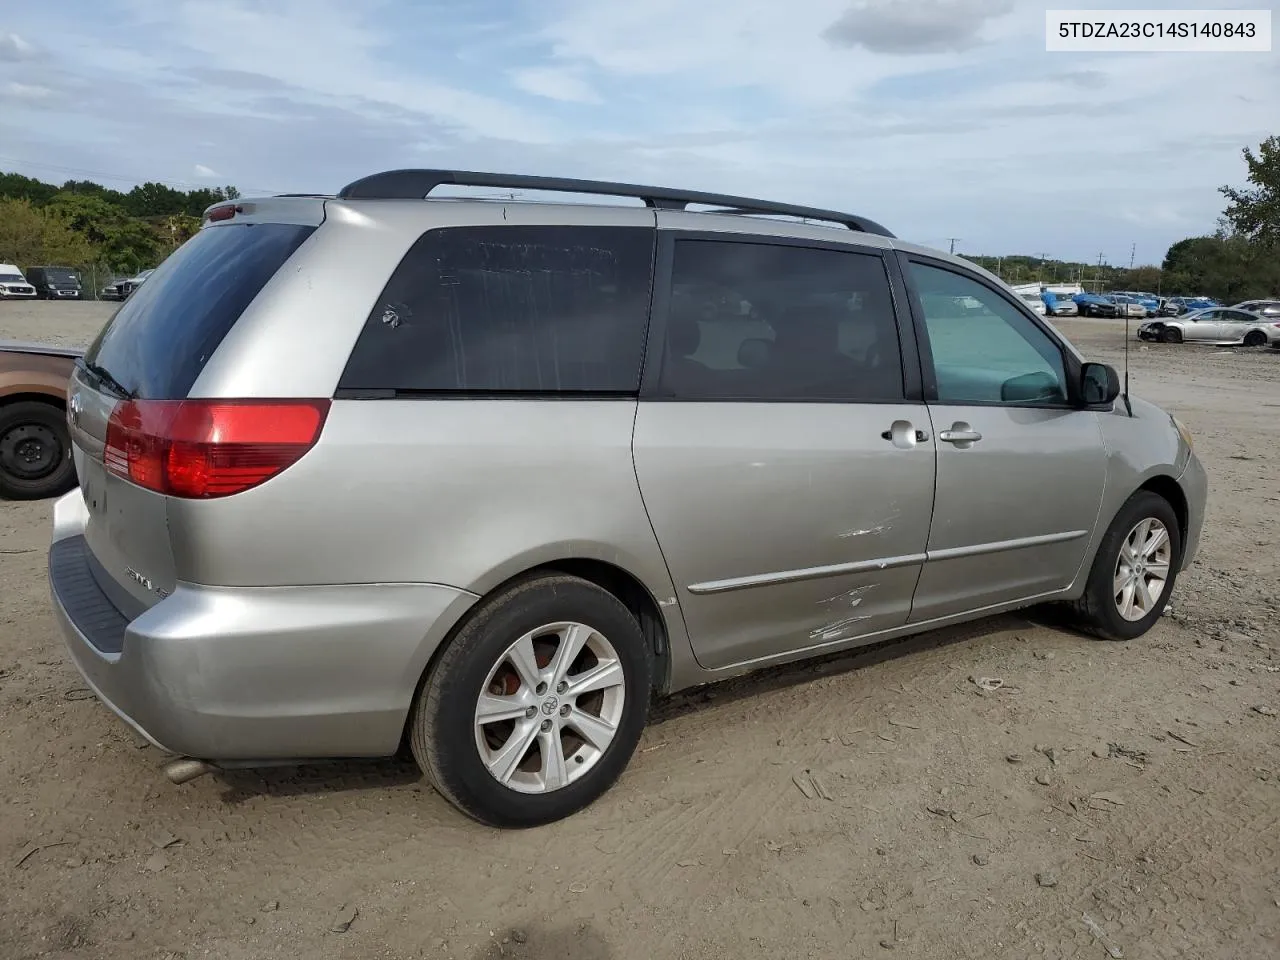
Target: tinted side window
[(494, 310), (159, 341), (771, 322), (985, 350)]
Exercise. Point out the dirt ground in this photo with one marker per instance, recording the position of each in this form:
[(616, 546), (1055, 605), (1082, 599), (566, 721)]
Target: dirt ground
[(1110, 800)]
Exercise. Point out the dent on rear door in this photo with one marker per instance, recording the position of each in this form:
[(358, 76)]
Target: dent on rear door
[(785, 527)]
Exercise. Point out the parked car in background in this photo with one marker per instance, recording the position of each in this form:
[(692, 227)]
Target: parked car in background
[(121, 289), (1263, 308), (547, 541), (1093, 305), (1033, 302), (1176, 306), (55, 283), (1129, 306), (1225, 325), (1148, 300), (35, 446), (1058, 304), (13, 285)]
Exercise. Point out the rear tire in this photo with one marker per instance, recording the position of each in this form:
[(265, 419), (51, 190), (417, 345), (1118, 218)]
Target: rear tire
[(1170, 335), (35, 451), (506, 661), (1114, 606), (1255, 338)]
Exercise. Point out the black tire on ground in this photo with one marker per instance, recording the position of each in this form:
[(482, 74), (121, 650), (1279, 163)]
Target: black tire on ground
[(1170, 335), (442, 725), (35, 451), (1255, 338), (1095, 612)]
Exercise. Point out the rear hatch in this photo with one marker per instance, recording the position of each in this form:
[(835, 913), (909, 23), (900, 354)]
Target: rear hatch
[(137, 440)]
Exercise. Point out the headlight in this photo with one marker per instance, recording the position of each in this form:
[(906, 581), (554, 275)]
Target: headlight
[(1183, 432)]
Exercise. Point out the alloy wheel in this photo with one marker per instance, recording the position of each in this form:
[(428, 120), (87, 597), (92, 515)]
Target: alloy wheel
[(550, 707)]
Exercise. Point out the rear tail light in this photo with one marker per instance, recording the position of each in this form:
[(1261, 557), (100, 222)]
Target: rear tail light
[(201, 449)]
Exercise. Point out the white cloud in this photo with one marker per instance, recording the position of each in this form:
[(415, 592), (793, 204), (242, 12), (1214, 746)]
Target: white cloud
[(205, 173), (15, 49), (28, 92), (555, 83)]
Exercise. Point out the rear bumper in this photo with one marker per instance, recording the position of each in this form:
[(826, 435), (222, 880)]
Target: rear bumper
[(252, 673), (1195, 486)]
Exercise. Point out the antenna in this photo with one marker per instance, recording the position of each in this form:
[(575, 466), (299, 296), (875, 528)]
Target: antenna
[(1124, 393)]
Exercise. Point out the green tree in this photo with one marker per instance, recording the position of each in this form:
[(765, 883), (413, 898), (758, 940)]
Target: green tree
[(18, 187), (1254, 211), (31, 236)]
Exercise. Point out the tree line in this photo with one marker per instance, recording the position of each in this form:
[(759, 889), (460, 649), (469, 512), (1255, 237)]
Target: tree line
[(97, 230), (102, 231), (1240, 260)]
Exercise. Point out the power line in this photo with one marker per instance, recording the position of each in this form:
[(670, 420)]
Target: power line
[(186, 184)]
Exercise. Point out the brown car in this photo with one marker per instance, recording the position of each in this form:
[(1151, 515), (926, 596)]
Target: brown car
[(35, 448)]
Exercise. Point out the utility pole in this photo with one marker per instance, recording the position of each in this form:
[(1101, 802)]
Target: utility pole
[(1132, 251), (1043, 257), (953, 242), (1097, 276)]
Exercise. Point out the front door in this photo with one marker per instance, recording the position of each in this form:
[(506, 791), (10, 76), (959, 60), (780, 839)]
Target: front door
[(1020, 471), (788, 478)]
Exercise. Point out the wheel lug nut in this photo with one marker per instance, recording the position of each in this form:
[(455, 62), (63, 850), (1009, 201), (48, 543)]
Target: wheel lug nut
[(541, 689), (530, 713), (546, 726), (564, 711), (561, 687)]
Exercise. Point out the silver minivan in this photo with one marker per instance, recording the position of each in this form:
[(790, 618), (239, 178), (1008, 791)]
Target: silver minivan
[(483, 477)]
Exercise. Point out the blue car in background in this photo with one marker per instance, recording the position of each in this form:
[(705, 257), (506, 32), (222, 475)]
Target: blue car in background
[(1148, 300), (1058, 304)]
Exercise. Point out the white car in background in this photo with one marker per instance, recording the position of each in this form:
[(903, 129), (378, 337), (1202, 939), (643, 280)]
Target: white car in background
[(13, 285), (1033, 301)]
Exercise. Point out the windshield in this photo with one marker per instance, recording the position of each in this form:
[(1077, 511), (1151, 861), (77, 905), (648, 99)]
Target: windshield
[(60, 275), (10, 278)]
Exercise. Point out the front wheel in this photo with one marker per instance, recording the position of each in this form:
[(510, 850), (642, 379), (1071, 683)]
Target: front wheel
[(536, 706), (1170, 335), (35, 451), (1134, 571)]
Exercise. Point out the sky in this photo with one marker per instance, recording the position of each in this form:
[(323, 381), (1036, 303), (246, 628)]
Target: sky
[(938, 118)]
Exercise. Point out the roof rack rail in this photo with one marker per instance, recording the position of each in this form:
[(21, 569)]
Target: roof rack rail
[(416, 184)]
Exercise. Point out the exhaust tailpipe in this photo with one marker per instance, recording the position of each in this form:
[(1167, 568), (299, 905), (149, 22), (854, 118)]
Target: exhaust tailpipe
[(186, 770)]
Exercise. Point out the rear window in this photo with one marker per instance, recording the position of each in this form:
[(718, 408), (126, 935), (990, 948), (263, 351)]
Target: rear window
[(511, 310), (159, 341)]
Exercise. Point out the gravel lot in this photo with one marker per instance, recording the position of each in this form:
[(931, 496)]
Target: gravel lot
[(1143, 815)]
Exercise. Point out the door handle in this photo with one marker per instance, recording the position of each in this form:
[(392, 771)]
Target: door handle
[(961, 434)]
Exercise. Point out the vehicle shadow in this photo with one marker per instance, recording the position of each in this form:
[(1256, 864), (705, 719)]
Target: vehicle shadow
[(788, 675), (399, 771)]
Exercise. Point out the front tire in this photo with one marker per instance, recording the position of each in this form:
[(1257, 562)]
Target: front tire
[(1170, 335), (536, 706), (1134, 571), (35, 451)]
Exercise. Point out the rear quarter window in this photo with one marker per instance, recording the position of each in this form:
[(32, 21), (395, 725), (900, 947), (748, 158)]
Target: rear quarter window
[(511, 310), (161, 338)]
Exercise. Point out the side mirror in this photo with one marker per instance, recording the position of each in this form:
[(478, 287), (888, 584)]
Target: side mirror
[(1099, 383)]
